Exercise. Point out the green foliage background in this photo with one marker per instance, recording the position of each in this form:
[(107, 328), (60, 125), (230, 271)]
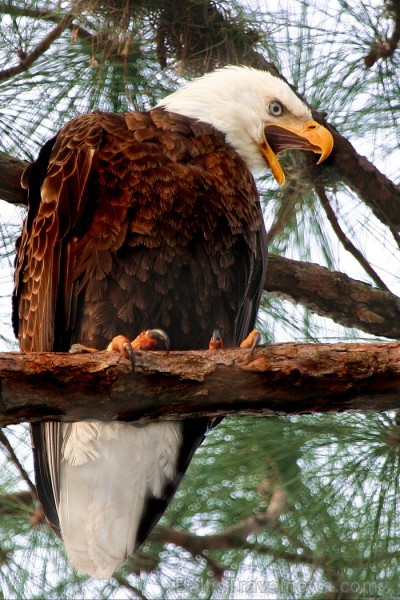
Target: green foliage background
[(332, 480)]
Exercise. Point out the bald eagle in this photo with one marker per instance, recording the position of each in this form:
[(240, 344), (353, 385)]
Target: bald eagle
[(136, 221)]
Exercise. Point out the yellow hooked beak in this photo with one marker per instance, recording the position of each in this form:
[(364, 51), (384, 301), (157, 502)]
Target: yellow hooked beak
[(310, 136)]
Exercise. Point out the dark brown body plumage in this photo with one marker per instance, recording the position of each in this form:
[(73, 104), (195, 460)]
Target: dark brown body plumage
[(136, 221)]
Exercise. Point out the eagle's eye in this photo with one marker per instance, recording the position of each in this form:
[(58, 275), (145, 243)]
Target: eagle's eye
[(275, 108)]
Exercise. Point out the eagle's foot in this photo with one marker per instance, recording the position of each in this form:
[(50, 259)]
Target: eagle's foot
[(252, 340), (121, 344), (152, 339), (216, 341)]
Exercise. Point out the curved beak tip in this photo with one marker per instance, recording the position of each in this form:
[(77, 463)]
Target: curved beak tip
[(326, 150), (322, 139)]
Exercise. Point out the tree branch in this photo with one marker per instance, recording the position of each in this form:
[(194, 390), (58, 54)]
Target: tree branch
[(236, 536), (124, 583), (16, 504), (40, 49), (330, 294), (386, 47), (360, 175), (46, 15), (14, 459), (11, 170), (280, 378), (346, 243)]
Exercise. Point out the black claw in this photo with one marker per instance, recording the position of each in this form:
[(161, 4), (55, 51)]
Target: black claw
[(160, 334), (216, 341), (216, 336), (131, 354)]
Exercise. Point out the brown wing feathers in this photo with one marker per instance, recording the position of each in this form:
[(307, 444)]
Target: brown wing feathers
[(145, 220), (145, 207)]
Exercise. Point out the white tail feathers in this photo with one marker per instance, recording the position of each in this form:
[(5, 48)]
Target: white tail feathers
[(107, 471)]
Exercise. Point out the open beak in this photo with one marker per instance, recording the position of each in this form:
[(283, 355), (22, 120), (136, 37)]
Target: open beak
[(311, 136)]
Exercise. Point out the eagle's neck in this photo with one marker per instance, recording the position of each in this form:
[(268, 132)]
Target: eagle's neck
[(230, 107)]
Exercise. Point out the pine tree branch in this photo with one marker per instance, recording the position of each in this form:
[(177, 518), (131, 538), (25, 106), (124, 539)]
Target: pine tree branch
[(333, 294), (124, 583), (360, 175), (346, 243), (277, 379), (40, 49), (14, 459), (16, 504), (284, 212), (182, 32), (11, 170), (47, 16), (236, 536), (386, 47), (25, 11)]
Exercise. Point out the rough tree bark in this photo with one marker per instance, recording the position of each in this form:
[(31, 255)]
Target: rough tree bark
[(277, 379), (335, 295), (11, 169)]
